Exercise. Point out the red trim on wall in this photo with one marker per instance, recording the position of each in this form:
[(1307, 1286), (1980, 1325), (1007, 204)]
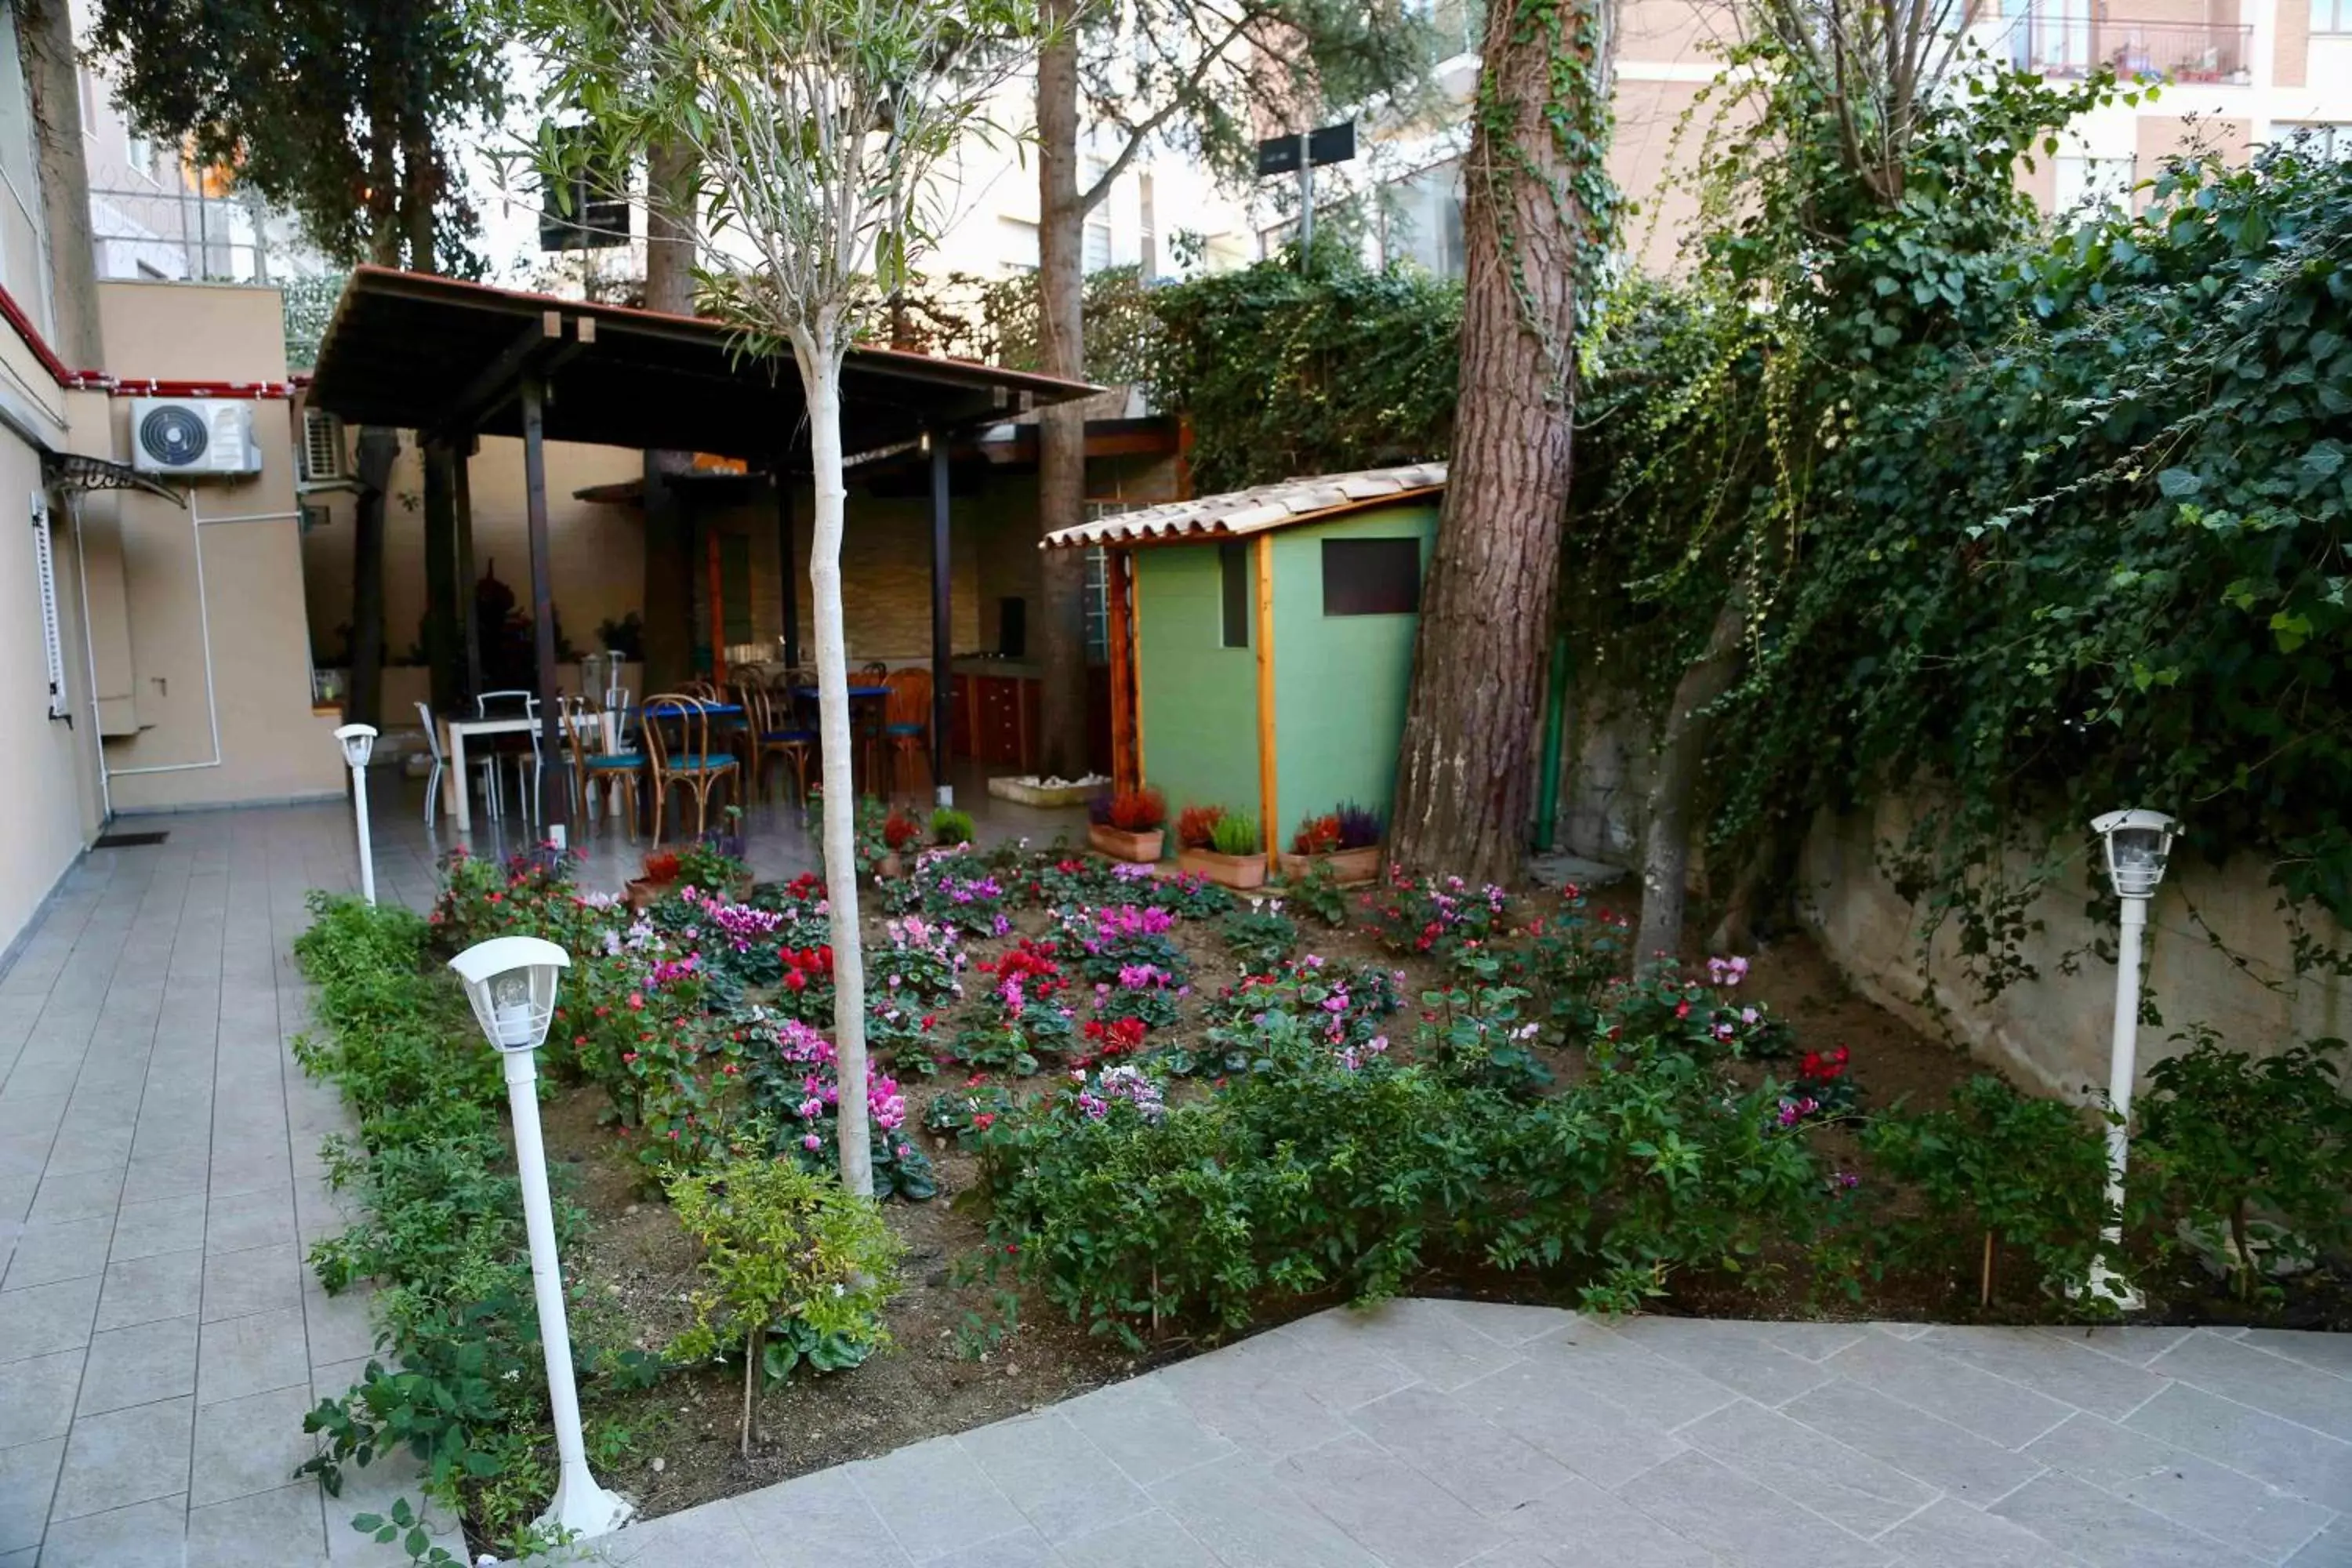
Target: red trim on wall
[(22, 324), (99, 381), (201, 388)]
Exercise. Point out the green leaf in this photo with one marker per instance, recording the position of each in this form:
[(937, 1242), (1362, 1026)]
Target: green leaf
[(2179, 483)]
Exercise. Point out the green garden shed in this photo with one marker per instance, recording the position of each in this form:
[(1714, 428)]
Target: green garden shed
[(1261, 642)]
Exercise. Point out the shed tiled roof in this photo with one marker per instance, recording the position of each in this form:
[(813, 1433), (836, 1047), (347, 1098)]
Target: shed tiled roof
[(1254, 510)]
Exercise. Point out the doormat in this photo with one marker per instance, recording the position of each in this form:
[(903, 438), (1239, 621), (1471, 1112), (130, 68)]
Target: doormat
[(128, 840)]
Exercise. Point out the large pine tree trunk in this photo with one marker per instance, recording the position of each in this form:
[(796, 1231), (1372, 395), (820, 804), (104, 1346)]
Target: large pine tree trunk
[(668, 591), (1060, 626), (1464, 773), (819, 363), (1682, 749)]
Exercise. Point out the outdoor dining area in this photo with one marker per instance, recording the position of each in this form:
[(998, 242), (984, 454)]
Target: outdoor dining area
[(662, 764), (452, 362)]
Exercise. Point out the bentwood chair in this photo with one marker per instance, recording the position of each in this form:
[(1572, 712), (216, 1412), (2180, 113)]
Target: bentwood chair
[(678, 751), (595, 773), (782, 735), (907, 723)]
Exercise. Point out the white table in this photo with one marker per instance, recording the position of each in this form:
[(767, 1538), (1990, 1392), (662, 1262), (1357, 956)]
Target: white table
[(454, 732)]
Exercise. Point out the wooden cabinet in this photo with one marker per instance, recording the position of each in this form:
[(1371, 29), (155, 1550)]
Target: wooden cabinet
[(994, 719)]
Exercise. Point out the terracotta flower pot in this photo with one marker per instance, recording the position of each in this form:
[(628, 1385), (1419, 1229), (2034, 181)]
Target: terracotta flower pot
[(891, 868), (1349, 868), (1240, 872), (644, 892), (1120, 845)]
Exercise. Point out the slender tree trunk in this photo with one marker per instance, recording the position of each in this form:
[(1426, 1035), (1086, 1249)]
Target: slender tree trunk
[(1060, 625), (1682, 750), (53, 85), (669, 563), (819, 363), (420, 177), (364, 703), (1465, 769)]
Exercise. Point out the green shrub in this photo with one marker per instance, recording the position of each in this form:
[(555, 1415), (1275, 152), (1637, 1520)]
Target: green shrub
[(1997, 1164), (2260, 1150), (800, 1269), (1262, 937), (1234, 835), (950, 825)]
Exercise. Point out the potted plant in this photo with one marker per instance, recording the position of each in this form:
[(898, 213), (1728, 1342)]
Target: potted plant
[(1131, 826), (900, 832), (661, 871), (1231, 857), (1345, 842), (951, 827)]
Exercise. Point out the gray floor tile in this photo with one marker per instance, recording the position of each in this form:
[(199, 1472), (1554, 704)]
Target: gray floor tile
[(2285, 1388), (263, 1280), (2329, 1352), (1266, 1415), (1506, 1324), (249, 1444), (1147, 1541), (934, 1498), (139, 1365), (1975, 1469), (703, 1537), (2267, 1523), (2071, 1374), (1581, 1526), (340, 1327), (1063, 1484), (1737, 1355), (1247, 1518), (1540, 1404), (1144, 1431), (246, 1220), (154, 1178), (125, 1457), (2008, 1414), (2332, 1549), (142, 1290), (94, 1151), (1845, 1486), (66, 1251), (819, 1521), (1022, 1549), (252, 1354), (45, 1319), (145, 1535), (1425, 1338), (1488, 1468), (1403, 1517), (1948, 1534), (2106, 1532), (28, 1482), (1614, 1367), (2295, 1459), (1740, 1522), (37, 1396), (160, 1225), (88, 1195), (1340, 1360)]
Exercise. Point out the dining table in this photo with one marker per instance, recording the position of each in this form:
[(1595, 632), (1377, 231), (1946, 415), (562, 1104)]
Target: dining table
[(454, 732), (859, 691)]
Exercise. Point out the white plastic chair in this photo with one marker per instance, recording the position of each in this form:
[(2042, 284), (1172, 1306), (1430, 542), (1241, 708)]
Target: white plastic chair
[(486, 760)]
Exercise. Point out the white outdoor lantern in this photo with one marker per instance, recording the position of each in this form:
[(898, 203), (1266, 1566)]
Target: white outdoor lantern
[(359, 744), (512, 983), (2136, 846)]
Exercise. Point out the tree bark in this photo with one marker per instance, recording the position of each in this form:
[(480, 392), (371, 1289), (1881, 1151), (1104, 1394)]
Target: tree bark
[(668, 608), (1464, 773), (820, 364), (53, 84), (1060, 624), (1682, 749), (420, 177), (364, 702)]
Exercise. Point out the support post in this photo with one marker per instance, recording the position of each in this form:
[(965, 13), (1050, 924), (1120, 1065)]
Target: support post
[(469, 581), (718, 609), (2123, 1070), (554, 802), (443, 654), (1126, 771), (942, 633), (1269, 772), (789, 556)]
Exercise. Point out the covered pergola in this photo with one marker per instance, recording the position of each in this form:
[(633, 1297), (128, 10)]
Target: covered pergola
[(453, 360)]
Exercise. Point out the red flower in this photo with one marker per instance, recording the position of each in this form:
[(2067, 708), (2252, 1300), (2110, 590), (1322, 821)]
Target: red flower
[(1682, 1009)]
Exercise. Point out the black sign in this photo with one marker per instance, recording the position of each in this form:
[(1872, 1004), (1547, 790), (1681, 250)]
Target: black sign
[(586, 207), (1332, 144)]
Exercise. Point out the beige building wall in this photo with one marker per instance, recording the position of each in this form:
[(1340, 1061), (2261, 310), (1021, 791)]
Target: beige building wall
[(219, 686)]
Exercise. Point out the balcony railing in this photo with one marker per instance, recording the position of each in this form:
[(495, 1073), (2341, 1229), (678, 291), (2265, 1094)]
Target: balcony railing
[(2172, 51)]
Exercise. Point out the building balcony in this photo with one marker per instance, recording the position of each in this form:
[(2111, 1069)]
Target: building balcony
[(2168, 51)]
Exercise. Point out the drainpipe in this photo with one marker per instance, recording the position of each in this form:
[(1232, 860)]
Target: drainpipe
[(1555, 723)]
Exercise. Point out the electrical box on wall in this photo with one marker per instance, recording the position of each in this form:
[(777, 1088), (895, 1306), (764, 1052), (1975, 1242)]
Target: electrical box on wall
[(194, 437)]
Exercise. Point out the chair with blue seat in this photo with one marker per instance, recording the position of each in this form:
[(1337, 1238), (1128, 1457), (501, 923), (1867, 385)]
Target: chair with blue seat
[(779, 732), (907, 723), (679, 743), (605, 768)]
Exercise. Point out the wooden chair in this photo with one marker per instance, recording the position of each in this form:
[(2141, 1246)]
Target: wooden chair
[(907, 723), (778, 731), (595, 772), (678, 749)]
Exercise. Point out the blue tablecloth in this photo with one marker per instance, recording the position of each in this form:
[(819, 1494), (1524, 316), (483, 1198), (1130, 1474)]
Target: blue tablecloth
[(855, 692)]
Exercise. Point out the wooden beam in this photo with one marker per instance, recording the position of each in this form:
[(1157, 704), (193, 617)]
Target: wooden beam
[(554, 800), (1269, 765), (467, 597), (1126, 772), (499, 380)]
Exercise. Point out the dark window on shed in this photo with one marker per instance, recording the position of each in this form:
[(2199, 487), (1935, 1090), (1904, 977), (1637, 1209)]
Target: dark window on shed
[(1371, 576), (1232, 586)]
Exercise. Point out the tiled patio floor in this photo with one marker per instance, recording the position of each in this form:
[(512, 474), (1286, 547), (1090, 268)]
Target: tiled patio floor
[(160, 1339)]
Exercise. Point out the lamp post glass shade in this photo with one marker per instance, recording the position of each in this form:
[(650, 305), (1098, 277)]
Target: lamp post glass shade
[(511, 981), (2137, 845), (358, 741)]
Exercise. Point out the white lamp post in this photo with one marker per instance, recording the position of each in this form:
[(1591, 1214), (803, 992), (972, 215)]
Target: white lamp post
[(2136, 844), (359, 741), (511, 981)]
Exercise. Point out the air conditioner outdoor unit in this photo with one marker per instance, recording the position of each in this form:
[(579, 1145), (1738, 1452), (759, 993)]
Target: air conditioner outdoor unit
[(193, 435), (322, 447)]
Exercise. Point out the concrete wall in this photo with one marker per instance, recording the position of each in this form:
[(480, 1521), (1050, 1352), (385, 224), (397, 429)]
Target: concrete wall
[(1198, 698), (1341, 681)]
